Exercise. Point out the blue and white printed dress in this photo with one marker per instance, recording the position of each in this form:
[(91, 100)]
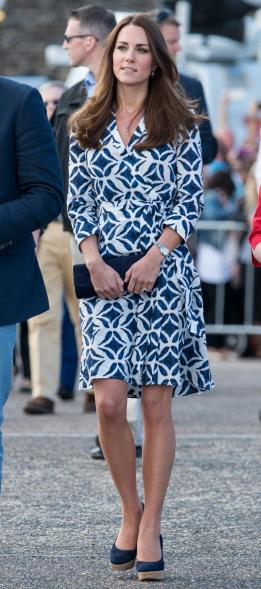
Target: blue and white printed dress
[(127, 197)]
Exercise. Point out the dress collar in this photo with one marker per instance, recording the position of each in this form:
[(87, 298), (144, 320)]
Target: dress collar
[(136, 136)]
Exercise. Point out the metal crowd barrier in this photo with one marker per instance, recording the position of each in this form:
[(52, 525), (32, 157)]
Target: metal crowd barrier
[(247, 327)]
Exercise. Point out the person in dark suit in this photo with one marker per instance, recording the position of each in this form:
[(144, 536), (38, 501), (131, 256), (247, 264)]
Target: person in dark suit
[(194, 90), (192, 87), (31, 195)]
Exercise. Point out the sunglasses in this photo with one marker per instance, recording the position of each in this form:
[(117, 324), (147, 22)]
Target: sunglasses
[(68, 38)]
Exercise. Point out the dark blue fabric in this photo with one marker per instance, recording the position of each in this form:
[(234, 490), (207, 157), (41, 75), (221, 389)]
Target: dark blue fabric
[(119, 556), (194, 90), (69, 360), (31, 195)]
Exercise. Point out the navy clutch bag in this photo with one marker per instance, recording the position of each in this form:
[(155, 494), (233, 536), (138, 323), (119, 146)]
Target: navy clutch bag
[(81, 275)]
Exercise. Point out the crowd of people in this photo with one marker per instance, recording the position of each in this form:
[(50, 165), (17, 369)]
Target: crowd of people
[(131, 141)]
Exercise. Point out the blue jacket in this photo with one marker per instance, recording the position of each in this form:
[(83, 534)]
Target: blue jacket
[(194, 90), (31, 195)]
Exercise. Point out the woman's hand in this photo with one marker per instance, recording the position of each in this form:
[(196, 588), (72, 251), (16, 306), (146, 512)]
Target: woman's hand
[(107, 283), (257, 252), (143, 274)]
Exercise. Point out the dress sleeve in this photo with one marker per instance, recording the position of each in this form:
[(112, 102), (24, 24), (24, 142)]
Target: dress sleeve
[(81, 205), (189, 198)]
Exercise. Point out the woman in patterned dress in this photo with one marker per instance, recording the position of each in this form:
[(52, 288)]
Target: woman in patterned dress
[(136, 186)]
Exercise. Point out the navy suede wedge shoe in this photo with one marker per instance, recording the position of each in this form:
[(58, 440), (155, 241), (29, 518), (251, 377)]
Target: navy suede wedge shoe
[(151, 571), (123, 560)]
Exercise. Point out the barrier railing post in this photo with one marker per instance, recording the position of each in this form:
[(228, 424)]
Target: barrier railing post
[(247, 326)]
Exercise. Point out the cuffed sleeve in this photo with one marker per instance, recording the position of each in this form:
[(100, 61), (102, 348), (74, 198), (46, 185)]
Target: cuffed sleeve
[(188, 200), (81, 205)]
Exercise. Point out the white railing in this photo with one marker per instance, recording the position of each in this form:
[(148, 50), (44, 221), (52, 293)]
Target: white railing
[(247, 326)]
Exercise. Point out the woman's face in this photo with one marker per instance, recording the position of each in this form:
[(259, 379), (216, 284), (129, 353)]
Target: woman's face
[(132, 58)]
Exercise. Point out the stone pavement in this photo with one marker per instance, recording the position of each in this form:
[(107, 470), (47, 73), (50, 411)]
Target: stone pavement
[(60, 513)]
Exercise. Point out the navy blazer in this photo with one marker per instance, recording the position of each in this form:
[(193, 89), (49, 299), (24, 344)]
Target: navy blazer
[(31, 195), (194, 90)]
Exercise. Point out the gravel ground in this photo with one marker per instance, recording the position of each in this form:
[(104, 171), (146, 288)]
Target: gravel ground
[(60, 512)]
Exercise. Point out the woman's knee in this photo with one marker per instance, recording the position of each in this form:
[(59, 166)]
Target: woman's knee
[(108, 409), (110, 404)]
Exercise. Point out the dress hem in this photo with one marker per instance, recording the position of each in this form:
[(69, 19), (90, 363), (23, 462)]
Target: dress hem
[(84, 387)]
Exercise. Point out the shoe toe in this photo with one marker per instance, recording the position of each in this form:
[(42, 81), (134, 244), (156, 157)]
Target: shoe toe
[(65, 393), (122, 559), (97, 453), (39, 406)]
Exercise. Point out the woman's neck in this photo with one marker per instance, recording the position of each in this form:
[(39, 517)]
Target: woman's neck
[(130, 100)]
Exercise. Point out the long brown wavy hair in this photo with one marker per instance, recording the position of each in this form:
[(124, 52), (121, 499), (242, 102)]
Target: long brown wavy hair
[(167, 111)]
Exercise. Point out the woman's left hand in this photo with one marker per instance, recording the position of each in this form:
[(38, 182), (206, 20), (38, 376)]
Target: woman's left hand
[(142, 275)]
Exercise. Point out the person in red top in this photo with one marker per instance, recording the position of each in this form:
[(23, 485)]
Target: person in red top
[(255, 235)]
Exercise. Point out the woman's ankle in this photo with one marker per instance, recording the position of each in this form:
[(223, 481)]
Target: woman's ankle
[(132, 508), (149, 529), (128, 535)]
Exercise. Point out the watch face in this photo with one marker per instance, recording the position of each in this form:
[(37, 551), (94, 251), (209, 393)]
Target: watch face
[(164, 250)]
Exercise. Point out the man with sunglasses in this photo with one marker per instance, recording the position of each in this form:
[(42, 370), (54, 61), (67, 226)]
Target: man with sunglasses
[(86, 31)]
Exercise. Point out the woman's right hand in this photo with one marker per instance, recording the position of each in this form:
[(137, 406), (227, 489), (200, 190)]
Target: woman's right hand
[(107, 283), (257, 252)]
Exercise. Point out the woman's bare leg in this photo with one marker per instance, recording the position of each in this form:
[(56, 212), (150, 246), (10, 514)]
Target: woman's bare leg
[(157, 461), (120, 453)]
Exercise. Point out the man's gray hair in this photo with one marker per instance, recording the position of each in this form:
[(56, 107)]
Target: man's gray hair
[(98, 19), (52, 84)]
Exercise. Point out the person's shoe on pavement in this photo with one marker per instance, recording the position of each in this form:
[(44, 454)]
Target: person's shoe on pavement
[(25, 386), (65, 393), (39, 406), (97, 453)]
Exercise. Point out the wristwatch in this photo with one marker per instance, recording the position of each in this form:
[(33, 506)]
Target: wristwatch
[(164, 250)]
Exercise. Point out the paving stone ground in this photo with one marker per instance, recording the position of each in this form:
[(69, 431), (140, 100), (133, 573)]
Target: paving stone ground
[(60, 513)]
